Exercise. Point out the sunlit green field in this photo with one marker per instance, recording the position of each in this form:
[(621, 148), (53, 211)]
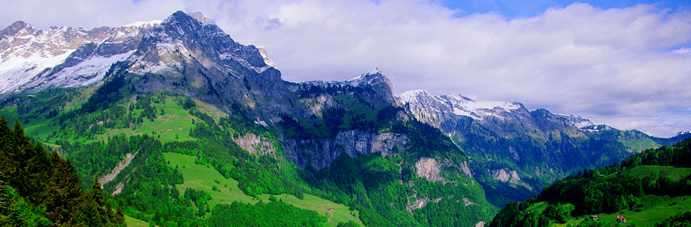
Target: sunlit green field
[(130, 221), (202, 177), (655, 210)]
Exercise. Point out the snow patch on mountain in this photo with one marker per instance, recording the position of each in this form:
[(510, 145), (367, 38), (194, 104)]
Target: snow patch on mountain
[(458, 105), (17, 71), (89, 71), (597, 128), (411, 96), (365, 78), (578, 121), (32, 58), (265, 56)]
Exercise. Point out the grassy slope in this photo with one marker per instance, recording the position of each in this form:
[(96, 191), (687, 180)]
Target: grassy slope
[(639, 144), (201, 177), (655, 210), (675, 173), (175, 123), (130, 221)]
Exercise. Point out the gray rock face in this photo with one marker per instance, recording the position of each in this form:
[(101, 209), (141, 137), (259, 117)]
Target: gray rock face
[(256, 144), (429, 169), (319, 153)]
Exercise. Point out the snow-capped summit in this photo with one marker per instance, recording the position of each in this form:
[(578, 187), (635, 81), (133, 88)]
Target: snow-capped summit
[(578, 121), (412, 95), (366, 77), (457, 104), (33, 59), (59, 56)]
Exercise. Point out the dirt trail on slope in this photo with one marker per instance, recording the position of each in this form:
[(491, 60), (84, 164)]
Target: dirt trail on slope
[(114, 173), (331, 211)]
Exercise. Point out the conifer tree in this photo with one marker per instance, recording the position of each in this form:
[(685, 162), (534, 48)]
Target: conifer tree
[(96, 211), (18, 212), (28, 166), (63, 190)]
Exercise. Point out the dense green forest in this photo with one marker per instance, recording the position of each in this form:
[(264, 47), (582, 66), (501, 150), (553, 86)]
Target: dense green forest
[(38, 189), (656, 179)]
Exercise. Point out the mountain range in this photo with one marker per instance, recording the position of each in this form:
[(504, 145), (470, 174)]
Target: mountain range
[(105, 97)]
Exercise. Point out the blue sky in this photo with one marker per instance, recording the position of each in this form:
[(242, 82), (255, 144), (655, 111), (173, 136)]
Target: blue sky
[(530, 8), (622, 63)]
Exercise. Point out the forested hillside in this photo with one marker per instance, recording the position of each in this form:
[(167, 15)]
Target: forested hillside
[(124, 143), (38, 189), (650, 188)]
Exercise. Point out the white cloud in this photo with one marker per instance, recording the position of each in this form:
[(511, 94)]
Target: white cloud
[(616, 66), (84, 13)]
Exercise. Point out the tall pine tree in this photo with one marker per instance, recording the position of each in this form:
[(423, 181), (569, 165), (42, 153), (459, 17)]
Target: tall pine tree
[(63, 190)]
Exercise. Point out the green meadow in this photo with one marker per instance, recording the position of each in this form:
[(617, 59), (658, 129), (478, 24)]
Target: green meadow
[(222, 190), (655, 210), (675, 173)]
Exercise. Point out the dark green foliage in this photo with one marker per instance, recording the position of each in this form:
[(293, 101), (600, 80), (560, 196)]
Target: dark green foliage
[(512, 215), (678, 155), (25, 165), (200, 200), (95, 211), (187, 103), (263, 214), (150, 193), (48, 189), (98, 158), (110, 92), (606, 190), (15, 211), (347, 224), (63, 191), (680, 220), (371, 218), (47, 104), (559, 212)]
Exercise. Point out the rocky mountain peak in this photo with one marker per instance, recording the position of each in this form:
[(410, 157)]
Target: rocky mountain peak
[(424, 104), (183, 21), (578, 121), (68, 57), (377, 81), (181, 39), (13, 29)]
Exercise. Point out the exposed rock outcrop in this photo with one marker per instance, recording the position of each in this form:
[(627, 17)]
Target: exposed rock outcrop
[(429, 169), (255, 144), (319, 153)]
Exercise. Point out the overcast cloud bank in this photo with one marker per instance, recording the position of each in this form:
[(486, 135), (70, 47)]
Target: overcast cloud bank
[(629, 68)]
